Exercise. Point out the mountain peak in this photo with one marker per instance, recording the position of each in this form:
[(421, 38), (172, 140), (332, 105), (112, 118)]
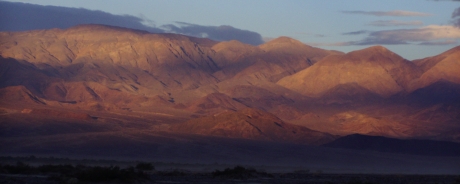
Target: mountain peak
[(374, 53), (375, 69), (284, 40), (374, 49), (285, 44), (377, 48)]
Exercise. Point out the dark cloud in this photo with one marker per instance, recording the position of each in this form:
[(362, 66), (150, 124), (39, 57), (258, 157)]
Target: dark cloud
[(22, 17), (397, 13), (356, 32), (219, 33)]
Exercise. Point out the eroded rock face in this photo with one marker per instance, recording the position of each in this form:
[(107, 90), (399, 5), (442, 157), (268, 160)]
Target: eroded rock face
[(215, 103), (252, 124), (149, 64), (99, 53)]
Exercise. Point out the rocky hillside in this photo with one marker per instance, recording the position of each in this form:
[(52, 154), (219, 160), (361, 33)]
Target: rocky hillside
[(282, 90), (374, 70), (252, 124)]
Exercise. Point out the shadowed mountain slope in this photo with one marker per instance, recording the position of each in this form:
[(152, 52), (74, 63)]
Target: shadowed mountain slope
[(215, 102), (251, 124), (384, 144), (148, 64), (113, 55)]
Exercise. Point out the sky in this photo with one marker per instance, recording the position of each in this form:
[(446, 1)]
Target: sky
[(413, 29)]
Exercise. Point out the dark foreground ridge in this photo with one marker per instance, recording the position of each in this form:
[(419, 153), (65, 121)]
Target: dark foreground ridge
[(392, 145), (145, 172)]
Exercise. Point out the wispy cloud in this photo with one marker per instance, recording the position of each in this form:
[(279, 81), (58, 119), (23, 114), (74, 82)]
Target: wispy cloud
[(395, 13), (428, 34), (356, 32), (384, 23), (444, 42)]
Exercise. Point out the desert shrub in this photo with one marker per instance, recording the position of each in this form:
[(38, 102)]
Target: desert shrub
[(238, 172), (174, 172), (62, 169), (457, 181), (62, 173), (19, 168), (302, 171), (103, 174), (358, 181), (143, 166)]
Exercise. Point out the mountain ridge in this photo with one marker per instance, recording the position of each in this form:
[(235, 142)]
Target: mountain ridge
[(119, 72), (375, 68)]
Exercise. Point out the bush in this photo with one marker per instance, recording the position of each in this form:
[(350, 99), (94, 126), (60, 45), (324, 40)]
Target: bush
[(63, 169), (19, 168), (143, 166), (102, 174), (175, 172), (238, 172)]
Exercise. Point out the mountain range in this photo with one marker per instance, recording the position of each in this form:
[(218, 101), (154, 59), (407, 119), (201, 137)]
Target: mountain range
[(99, 80)]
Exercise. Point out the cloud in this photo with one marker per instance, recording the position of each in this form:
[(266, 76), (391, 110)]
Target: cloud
[(395, 23), (445, 42), (456, 17), (427, 34), (219, 33), (22, 17), (396, 13), (356, 32)]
